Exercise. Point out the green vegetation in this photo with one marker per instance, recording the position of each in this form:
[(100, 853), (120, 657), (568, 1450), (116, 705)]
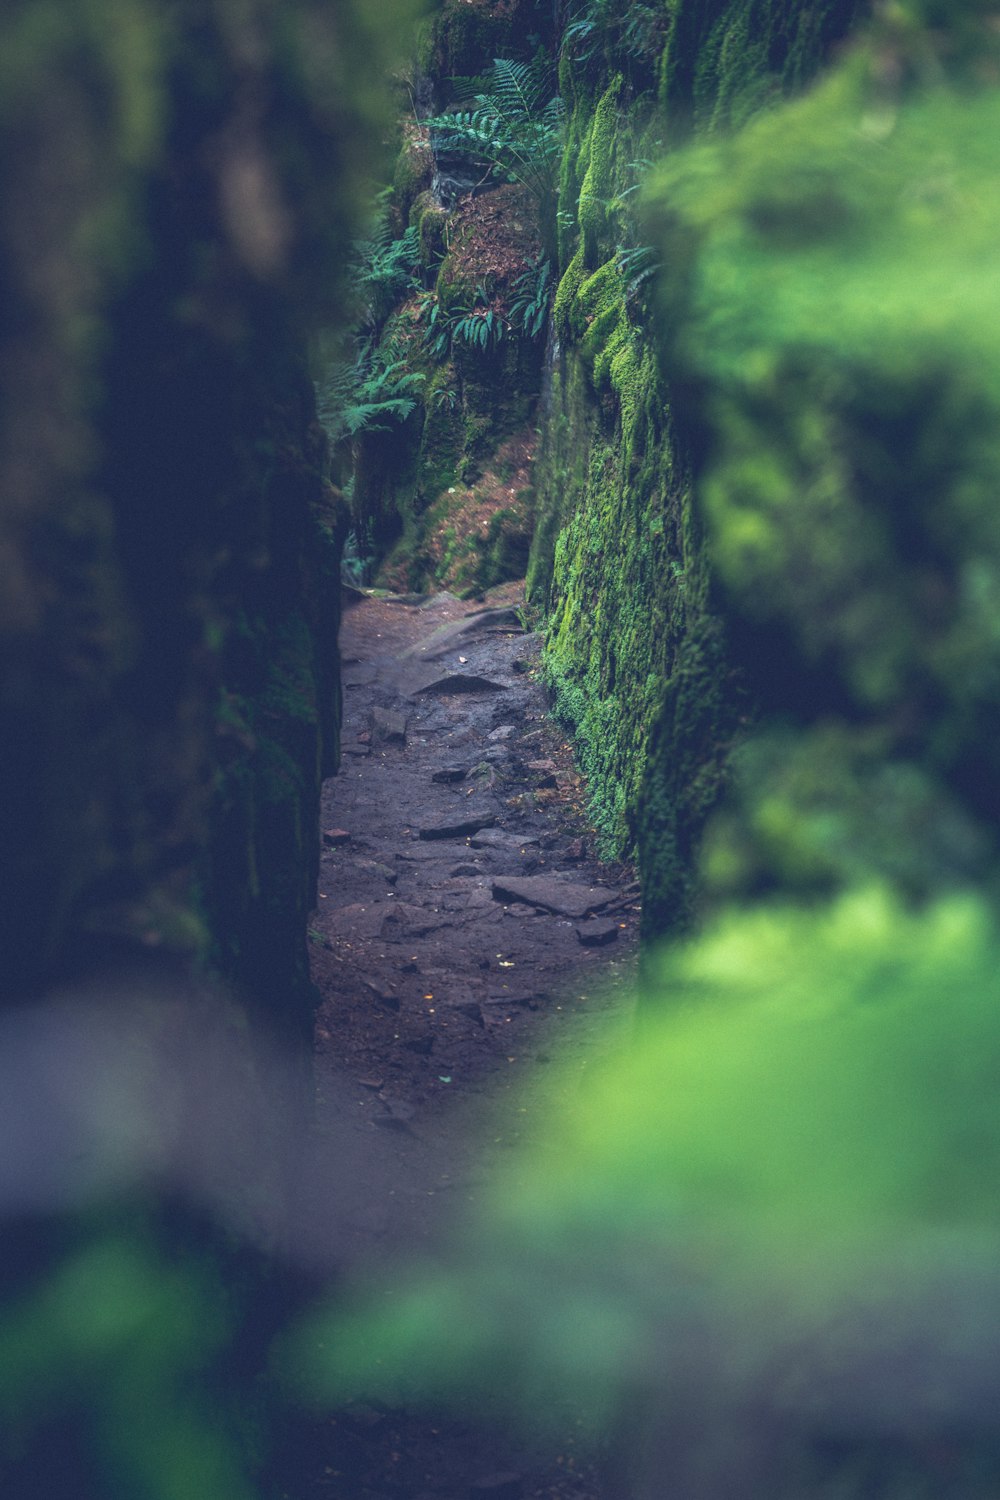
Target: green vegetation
[(757, 1243), (849, 473), (365, 396), (450, 358), (756, 1247), (647, 687), (180, 187), (514, 132), (759, 1200)]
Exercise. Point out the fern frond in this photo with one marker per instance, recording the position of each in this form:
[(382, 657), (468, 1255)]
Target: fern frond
[(517, 88), (511, 131), (363, 417)]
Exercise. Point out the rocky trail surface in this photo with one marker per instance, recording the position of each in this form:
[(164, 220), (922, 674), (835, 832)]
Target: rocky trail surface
[(465, 933)]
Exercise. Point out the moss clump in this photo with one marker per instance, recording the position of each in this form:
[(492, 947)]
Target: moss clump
[(413, 174), (654, 721), (596, 190), (431, 222), (612, 622)]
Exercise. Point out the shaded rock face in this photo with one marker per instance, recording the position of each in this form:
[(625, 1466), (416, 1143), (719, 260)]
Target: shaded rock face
[(177, 187), (171, 210)]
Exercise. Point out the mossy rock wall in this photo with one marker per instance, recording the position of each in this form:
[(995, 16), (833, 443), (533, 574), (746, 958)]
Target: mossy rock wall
[(175, 197), (469, 398), (845, 386), (178, 188), (465, 36), (636, 640)]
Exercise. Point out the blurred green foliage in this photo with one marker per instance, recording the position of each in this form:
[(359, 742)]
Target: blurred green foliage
[(180, 185), (792, 1169), (110, 1379), (831, 309)]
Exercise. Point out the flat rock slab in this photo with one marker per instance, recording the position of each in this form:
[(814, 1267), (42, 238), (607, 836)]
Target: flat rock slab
[(499, 838), (429, 855), (563, 898), (448, 637), (363, 674), (597, 934), (460, 682), (457, 828), (401, 920), (356, 920)]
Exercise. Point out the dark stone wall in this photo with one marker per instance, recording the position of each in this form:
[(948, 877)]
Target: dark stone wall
[(178, 187)]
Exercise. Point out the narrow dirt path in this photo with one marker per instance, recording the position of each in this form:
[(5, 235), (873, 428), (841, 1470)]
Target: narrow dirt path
[(465, 933)]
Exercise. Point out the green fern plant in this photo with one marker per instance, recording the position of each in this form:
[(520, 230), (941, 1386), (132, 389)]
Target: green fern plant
[(478, 323), (479, 328), (514, 131), (532, 296), (633, 31), (367, 395), (384, 271), (637, 266)]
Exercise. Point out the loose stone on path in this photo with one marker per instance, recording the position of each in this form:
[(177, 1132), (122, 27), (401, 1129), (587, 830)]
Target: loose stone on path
[(388, 727), (598, 934), (460, 682), (500, 838), (564, 898), (457, 828)]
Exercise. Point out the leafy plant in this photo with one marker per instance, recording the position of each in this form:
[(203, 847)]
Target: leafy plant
[(476, 323), (532, 297), (636, 265), (384, 271), (356, 563), (367, 394), (636, 30), (479, 328), (514, 131), (446, 398)]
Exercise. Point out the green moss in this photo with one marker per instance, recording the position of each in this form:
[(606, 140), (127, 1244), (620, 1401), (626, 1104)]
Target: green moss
[(431, 222), (829, 304), (412, 175), (465, 36), (595, 211), (596, 307), (723, 62), (612, 600), (569, 285), (655, 718)]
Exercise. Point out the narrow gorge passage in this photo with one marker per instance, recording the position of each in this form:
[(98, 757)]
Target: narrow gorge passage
[(465, 934), (464, 923)]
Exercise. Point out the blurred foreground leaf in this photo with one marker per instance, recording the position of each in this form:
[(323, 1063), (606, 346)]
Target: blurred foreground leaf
[(788, 1182)]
